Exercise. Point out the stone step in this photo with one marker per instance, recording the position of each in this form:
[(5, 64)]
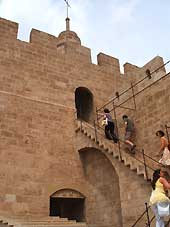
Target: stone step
[(33, 218), (45, 223), (62, 220), (5, 225), (69, 223), (30, 217), (34, 221), (52, 225)]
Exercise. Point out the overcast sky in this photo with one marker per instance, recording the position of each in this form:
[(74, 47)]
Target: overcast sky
[(134, 31)]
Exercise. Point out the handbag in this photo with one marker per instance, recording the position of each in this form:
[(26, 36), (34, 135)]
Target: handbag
[(163, 209), (104, 122)]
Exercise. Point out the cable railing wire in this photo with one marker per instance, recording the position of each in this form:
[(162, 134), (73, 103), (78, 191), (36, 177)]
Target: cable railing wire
[(137, 93), (146, 211), (145, 155), (134, 85), (147, 166), (149, 221), (140, 217), (138, 150)]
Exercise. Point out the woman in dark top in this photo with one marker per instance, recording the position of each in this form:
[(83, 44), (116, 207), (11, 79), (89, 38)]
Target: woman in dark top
[(109, 126)]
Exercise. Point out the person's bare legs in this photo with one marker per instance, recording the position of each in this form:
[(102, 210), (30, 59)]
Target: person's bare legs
[(127, 141)]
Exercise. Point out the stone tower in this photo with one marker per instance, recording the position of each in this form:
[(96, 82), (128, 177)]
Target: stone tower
[(47, 167)]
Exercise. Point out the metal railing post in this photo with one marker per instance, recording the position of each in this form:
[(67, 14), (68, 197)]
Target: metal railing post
[(95, 131), (145, 166), (115, 116), (167, 133), (133, 95), (97, 117), (117, 95), (147, 214)]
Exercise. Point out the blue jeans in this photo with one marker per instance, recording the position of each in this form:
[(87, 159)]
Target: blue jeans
[(159, 220)]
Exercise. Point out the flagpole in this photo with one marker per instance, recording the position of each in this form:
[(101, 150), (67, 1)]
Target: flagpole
[(68, 5)]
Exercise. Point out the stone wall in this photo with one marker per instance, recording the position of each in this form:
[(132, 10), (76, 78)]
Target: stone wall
[(152, 108), (37, 108), (103, 206), (40, 70), (35, 161), (134, 191), (37, 115)]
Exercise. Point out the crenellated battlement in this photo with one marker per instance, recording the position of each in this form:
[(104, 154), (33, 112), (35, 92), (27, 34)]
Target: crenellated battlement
[(69, 43), (45, 85), (155, 63), (128, 68), (8, 29), (42, 38), (108, 61)]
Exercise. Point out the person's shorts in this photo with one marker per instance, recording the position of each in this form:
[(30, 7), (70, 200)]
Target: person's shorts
[(128, 135)]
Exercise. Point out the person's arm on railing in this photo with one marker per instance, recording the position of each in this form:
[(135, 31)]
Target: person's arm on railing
[(163, 144), (100, 115), (165, 183)]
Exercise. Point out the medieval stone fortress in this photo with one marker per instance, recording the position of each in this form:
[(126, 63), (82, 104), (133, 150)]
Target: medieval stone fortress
[(57, 168)]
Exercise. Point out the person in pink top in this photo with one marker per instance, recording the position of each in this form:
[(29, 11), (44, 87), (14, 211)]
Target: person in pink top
[(163, 151)]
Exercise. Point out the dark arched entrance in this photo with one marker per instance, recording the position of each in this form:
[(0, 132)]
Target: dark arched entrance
[(67, 203), (84, 103)]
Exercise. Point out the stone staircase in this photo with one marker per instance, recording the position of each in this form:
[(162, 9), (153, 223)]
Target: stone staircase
[(132, 161), (30, 221)]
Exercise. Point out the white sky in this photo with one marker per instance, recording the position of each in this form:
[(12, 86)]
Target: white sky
[(134, 31)]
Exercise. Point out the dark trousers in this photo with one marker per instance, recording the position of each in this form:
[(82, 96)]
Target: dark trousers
[(109, 132)]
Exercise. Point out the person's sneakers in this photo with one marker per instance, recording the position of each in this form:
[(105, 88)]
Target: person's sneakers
[(133, 149), (115, 141)]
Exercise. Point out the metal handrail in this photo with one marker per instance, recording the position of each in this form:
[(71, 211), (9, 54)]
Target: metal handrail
[(141, 216), (150, 221), (123, 142), (140, 151), (137, 93), (148, 157), (147, 215), (167, 133), (153, 217), (146, 165), (135, 84)]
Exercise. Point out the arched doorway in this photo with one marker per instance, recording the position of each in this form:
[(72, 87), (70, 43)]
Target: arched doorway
[(103, 205), (67, 203), (84, 103)]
